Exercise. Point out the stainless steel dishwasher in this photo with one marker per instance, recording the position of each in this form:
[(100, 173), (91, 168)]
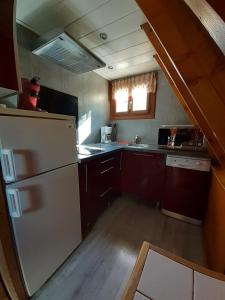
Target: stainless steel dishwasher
[(186, 188)]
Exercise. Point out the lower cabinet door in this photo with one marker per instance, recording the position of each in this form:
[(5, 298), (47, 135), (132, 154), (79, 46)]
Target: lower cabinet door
[(143, 175), (190, 198)]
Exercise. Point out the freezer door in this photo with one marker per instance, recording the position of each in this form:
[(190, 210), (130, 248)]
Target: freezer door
[(47, 228), (30, 146)]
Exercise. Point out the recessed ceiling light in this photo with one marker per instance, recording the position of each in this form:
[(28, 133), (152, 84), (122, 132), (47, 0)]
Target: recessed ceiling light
[(110, 67), (103, 36)]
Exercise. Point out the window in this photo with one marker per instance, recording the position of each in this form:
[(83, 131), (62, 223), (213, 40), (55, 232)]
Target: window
[(140, 98), (121, 97), (133, 97)]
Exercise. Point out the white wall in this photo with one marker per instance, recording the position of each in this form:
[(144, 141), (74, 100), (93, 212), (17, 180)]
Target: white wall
[(168, 111), (90, 88)]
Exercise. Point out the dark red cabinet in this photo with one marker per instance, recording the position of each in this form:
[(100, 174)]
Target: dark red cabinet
[(9, 78), (143, 175), (99, 182), (186, 192)]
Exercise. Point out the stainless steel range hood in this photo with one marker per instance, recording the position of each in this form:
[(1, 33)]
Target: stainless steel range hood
[(63, 50)]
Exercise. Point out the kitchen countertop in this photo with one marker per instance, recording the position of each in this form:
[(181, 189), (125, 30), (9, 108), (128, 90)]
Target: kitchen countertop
[(115, 147)]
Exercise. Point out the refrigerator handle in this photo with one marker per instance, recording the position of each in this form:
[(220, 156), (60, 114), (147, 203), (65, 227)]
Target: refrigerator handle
[(7, 162), (13, 199)]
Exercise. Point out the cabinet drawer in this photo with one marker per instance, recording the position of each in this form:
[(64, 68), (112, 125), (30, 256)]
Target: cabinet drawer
[(103, 173), (102, 165), (107, 178), (147, 155)]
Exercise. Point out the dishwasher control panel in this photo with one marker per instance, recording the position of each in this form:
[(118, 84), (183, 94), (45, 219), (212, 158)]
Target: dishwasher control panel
[(192, 163)]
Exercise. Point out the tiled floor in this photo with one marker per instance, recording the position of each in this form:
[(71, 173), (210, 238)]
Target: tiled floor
[(101, 266)]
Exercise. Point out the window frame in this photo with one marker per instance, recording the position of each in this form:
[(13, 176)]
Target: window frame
[(132, 115)]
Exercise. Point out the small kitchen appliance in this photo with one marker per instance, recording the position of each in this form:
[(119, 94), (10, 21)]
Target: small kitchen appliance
[(183, 137), (106, 134)]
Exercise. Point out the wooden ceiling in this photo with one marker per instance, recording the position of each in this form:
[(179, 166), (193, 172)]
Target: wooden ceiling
[(127, 49)]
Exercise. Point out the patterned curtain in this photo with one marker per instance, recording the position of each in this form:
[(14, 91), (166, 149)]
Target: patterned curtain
[(147, 80)]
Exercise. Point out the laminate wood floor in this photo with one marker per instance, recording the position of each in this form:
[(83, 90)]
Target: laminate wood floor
[(100, 267)]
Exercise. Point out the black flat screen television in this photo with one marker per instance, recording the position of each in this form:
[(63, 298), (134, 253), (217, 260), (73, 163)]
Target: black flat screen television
[(57, 102)]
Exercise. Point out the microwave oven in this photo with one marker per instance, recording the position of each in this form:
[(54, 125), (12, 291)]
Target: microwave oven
[(183, 137)]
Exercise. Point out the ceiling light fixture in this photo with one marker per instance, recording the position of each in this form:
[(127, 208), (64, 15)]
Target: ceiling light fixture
[(103, 36), (110, 67)]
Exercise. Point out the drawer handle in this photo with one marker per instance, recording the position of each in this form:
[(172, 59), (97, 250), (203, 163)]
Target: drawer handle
[(107, 170), (86, 179), (146, 155), (109, 159), (106, 192)]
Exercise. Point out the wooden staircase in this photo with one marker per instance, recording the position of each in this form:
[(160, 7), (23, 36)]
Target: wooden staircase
[(193, 64)]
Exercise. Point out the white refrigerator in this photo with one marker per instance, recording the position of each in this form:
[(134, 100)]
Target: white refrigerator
[(38, 158)]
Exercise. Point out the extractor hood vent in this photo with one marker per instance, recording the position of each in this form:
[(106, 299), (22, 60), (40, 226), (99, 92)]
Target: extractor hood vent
[(68, 53)]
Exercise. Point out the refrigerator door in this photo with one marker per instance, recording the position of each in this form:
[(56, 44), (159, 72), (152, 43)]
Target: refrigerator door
[(30, 146), (45, 214)]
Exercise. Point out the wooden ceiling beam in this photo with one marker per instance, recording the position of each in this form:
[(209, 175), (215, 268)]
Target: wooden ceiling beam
[(175, 89), (196, 63)]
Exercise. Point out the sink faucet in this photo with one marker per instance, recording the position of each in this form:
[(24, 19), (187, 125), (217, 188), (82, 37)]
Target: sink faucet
[(137, 139)]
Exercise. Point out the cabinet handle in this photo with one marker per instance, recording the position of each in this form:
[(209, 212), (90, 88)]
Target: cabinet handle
[(105, 161), (146, 155), (106, 192), (13, 199), (121, 157), (86, 179), (107, 170), (8, 167)]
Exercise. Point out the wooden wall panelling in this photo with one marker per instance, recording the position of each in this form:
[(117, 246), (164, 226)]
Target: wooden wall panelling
[(9, 268), (181, 90), (214, 229), (198, 62)]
